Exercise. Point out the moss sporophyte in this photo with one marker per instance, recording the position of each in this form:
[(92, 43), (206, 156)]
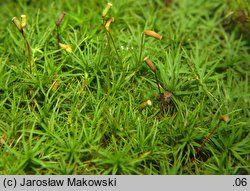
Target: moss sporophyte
[(21, 26)]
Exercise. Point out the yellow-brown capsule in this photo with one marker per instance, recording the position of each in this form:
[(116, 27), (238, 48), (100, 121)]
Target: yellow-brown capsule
[(17, 23), (60, 19), (150, 64), (152, 34), (23, 21), (66, 47), (107, 24), (145, 104), (106, 10), (224, 118)]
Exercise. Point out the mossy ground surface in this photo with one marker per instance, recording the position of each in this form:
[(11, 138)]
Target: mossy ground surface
[(84, 116)]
